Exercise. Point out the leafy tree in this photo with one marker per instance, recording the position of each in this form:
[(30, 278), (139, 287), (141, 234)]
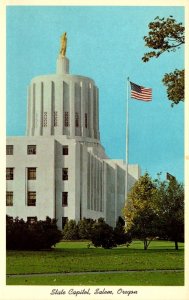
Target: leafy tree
[(70, 231), (139, 211), (102, 235), (155, 208), (174, 82), (170, 209), (166, 35)]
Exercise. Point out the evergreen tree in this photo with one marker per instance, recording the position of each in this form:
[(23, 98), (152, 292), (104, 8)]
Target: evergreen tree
[(85, 228), (169, 201), (70, 231), (120, 236)]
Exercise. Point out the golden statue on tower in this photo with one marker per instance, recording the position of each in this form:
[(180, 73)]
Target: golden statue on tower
[(63, 44)]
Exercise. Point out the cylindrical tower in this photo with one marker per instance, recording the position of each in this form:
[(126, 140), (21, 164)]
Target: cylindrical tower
[(63, 104)]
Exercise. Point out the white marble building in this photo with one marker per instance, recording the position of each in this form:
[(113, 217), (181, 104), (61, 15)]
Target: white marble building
[(60, 169)]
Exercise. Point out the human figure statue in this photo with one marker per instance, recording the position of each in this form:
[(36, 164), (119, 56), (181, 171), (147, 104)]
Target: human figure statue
[(63, 44)]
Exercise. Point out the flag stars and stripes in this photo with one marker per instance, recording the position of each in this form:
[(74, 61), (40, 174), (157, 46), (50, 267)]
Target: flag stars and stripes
[(140, 93)]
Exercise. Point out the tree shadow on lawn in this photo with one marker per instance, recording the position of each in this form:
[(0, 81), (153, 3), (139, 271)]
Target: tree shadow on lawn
[(113, 251)]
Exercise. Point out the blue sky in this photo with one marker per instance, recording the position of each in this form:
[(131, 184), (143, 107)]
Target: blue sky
[(106, 44)]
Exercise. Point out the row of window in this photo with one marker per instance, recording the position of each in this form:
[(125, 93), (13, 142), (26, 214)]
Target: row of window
[(32, 149), (31, 173), (31, 198), (66, 119)]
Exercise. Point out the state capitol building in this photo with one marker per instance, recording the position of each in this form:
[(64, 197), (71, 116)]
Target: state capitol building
[(60, 169)]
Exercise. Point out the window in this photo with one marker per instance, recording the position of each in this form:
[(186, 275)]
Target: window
[(9, 173), (64, 221), (86, 121), (65, 199), (9, 198), (31, 198), (31, 173), (65, 174), (66, 119), (76, 119), (31, 149), (55, 118), (65, 150), (9, 150), (31, 219), (45, 119)]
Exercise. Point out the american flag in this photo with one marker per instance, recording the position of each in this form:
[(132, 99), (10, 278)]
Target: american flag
[(140, 93)]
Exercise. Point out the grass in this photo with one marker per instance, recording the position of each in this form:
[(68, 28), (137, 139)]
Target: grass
[(136, 278), (76, 257)]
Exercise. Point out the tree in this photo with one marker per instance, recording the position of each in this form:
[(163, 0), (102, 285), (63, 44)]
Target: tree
[(156, 208), (139, 211), (120, 236), (169, 201), (70, 231), (85, 228), (166, 35), (102, 235), (174, 82)]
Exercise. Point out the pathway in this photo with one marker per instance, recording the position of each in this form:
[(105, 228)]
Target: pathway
[(95, 272)]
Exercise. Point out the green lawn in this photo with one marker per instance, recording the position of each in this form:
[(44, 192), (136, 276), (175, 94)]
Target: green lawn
[(136, 278), (76, 257)]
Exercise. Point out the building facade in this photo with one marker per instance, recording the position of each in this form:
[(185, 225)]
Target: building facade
[(60, 169)]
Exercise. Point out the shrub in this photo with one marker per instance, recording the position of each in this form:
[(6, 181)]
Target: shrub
[(103, 235), (21, 235)]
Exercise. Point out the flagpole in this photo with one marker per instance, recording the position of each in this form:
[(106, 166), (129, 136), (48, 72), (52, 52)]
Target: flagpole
[(127, 140)]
